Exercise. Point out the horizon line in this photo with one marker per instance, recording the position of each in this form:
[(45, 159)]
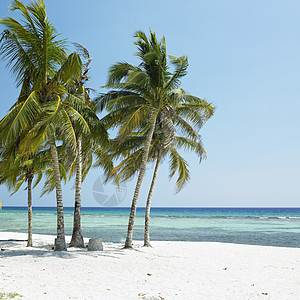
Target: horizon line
[(157, 206)]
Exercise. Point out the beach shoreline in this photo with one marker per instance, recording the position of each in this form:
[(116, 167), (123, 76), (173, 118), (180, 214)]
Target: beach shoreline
[(168, 270), (259, 226)]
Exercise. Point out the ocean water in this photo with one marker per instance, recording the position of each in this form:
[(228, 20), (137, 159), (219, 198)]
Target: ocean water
[(253, 226)]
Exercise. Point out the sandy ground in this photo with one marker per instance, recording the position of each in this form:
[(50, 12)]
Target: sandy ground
[(169, 270)]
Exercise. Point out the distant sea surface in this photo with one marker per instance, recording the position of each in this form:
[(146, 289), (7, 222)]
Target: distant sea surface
[(253, 226)]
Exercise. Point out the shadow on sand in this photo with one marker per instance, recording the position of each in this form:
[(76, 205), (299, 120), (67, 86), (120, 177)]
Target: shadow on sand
[(13, 248)]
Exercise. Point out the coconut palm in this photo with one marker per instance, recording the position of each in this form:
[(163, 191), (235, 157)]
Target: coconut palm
[(140, 95), (14, 172), (16, 169), (177, 165), (77, 237), (84, 154), (40, 64), (130, 152)]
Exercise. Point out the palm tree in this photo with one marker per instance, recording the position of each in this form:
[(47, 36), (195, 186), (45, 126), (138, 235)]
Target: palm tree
[(177, 165), (14, 172), (16, 169), (140, 95), (77, 237), (130, 152), (84, 154), (40, 64)]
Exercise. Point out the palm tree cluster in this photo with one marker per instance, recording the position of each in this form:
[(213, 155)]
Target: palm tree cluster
[(52, 131)]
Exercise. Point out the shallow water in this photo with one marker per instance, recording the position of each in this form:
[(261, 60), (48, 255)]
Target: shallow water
[(257, 226)]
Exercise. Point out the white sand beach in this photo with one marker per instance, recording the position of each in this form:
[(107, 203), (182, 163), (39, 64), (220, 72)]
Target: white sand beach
[(169, 270)]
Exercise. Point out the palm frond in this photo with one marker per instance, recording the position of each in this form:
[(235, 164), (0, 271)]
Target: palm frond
[(190, 145), (118, 72), (70, 69), (178, 164), (67, 131), (181, 66), (21, 116)]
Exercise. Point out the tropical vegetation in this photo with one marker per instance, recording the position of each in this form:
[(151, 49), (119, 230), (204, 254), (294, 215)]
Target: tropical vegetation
[(147, 96), (52, 131), (45, 110)]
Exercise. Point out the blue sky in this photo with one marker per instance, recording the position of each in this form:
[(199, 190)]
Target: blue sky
[(244, 57)]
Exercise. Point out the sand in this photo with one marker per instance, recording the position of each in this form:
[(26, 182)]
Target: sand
[(168, 270)]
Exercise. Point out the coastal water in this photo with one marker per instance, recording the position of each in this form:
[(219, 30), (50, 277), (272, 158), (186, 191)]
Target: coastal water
[(256, 226)]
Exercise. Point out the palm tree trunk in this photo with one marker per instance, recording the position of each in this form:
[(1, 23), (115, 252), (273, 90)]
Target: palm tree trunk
[(77, 238), (128, 243), (60, 242), (29, 183), (148, 204)]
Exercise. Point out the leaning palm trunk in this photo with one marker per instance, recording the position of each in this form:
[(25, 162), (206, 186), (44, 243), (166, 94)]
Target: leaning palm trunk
[(60, 242), (148, 204), (128, 243), (29, 183), (77, 238)]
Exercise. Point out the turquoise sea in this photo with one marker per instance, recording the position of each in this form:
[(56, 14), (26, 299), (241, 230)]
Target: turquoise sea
[(255, 226)]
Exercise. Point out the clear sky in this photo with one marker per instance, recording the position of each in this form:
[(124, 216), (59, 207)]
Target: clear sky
[(244, 57)]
